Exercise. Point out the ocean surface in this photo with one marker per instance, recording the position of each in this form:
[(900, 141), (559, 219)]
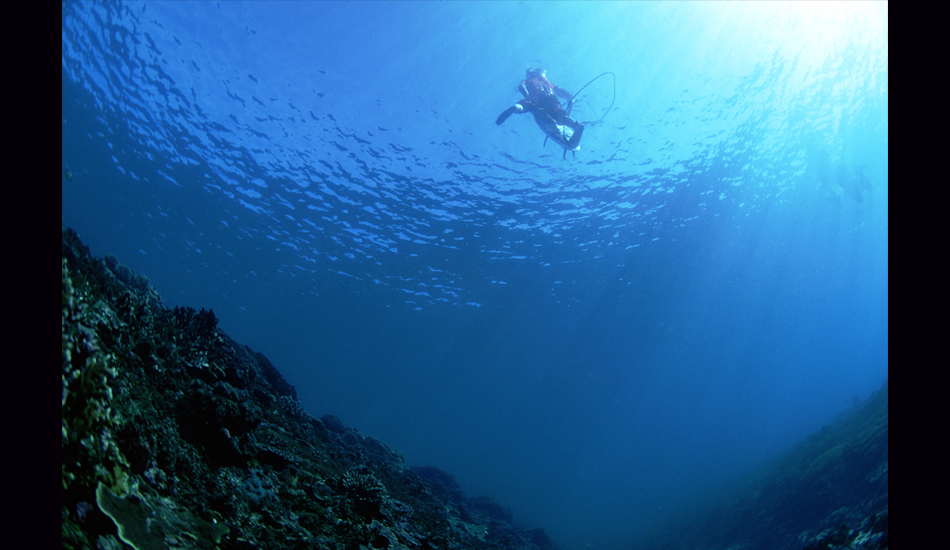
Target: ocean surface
[(591, 341)]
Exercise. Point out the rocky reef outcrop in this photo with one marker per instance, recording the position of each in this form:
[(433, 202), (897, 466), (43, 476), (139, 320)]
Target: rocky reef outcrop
[(829, 492), (176, 436)]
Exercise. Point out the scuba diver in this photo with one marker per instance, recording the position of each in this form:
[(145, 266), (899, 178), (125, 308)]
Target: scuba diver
[(541, 100)]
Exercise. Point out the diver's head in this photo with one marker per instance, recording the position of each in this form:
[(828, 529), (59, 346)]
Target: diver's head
[(534, 72)]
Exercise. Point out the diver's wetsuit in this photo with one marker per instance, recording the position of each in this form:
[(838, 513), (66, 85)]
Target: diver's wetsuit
[(541, 99)]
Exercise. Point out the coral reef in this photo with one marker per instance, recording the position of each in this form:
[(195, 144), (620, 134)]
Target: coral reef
[(176, 436)]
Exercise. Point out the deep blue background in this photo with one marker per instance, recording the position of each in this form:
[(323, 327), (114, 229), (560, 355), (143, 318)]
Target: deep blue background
[(590, 341)]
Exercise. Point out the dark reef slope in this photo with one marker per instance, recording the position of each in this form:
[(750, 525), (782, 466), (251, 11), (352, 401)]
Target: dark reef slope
[(829, 492), (176, 436)]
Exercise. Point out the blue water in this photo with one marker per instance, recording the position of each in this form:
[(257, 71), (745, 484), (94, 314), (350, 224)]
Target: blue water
[(591, 341)]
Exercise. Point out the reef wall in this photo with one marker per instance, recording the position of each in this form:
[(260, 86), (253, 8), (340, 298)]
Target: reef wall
[(176, 436), (829, 492)]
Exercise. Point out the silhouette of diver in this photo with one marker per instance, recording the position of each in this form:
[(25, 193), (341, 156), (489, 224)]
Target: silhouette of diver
[(541, 100)]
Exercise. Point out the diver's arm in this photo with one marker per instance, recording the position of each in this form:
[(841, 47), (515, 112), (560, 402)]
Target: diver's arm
[(561, 92), (523, 106), (516, 108)]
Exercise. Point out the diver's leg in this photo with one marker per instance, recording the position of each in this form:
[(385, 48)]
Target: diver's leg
[(572, 123), (576, 138), (546, 122), (578, 132)]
